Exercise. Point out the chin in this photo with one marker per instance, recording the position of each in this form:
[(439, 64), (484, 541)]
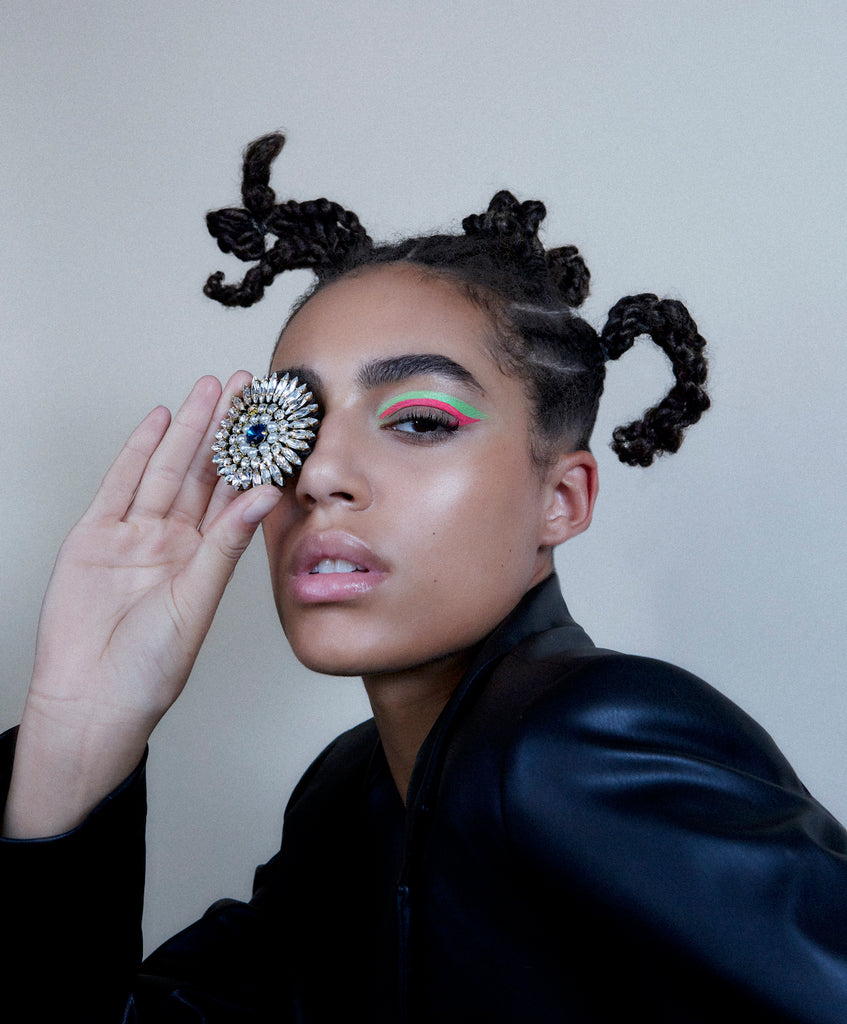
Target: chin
[(335, 650), (330, 664)]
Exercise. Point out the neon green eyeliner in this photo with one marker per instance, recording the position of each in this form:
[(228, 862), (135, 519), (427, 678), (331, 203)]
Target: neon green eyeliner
[(464, 412)]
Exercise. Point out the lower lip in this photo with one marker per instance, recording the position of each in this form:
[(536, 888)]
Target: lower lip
[(332, 587)]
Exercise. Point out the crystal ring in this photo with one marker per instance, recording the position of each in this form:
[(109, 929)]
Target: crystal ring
[(268, 424)]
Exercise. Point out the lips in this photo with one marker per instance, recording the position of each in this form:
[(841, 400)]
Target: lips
[(334, 566)]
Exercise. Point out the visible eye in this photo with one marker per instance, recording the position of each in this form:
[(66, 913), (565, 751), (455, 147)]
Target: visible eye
[(426, 423)]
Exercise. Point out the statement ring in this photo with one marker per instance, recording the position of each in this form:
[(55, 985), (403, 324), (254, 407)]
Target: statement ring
[(268, 424)]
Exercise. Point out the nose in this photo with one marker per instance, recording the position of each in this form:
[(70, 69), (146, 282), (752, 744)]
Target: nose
[(334, 472)]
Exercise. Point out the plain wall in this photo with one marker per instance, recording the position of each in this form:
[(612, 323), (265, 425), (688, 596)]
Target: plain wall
[(693, 149)]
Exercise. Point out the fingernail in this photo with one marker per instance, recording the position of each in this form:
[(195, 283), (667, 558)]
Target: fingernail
[(261, 506)]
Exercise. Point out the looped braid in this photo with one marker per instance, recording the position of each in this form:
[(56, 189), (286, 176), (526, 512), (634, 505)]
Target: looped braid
[(671, 327), (317, 234), (514, 226)]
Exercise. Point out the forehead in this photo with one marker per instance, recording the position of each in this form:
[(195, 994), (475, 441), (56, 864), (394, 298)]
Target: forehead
[(386, 311)]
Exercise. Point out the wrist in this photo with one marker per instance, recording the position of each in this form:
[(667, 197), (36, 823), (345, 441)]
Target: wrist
[(65, 764)]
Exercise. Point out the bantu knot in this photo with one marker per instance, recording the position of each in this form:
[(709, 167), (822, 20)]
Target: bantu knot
[(514, 226), (569, 274), (507, 218)]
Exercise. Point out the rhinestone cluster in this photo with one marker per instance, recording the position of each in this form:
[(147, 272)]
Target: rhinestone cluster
[(267, 425)]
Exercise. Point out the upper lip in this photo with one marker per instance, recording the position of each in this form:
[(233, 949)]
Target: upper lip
[(334, 544)]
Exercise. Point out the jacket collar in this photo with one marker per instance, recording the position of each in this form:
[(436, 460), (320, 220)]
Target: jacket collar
[(540, 610), (539, 620)]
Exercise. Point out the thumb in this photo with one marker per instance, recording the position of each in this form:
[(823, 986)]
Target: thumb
[(253, 513), (226, 539)]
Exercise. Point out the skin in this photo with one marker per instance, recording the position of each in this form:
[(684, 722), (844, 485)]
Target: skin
[(461, 523), (454, 527)]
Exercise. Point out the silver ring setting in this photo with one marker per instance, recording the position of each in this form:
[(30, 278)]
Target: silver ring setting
[(267, 433)]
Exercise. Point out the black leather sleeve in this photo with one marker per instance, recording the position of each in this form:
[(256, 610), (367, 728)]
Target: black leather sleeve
[(71, 907), (71, 911), (713, 881)]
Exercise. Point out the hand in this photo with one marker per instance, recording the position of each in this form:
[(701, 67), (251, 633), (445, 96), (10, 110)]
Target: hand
[(131, 598)]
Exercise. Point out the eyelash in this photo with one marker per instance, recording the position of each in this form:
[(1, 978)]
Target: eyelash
[(440, 424)]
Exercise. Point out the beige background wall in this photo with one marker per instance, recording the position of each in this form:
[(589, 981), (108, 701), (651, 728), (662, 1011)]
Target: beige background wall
[(692, 148)]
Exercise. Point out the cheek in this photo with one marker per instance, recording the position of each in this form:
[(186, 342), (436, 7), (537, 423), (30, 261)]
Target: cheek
[(480, 521), (276, 526), (472, 553)]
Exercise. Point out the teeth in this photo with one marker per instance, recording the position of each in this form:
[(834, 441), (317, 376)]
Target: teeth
[(326, 565)]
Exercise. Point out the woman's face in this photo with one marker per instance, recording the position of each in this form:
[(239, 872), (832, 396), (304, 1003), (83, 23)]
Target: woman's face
[(414, 526)]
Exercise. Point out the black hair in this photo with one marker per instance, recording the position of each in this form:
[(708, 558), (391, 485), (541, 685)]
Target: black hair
[(499, 263)]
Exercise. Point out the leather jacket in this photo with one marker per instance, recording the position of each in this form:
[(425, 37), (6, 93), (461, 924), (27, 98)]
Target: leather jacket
[(588, 837)]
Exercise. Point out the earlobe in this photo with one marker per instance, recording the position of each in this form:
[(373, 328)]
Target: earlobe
[(571, 492)]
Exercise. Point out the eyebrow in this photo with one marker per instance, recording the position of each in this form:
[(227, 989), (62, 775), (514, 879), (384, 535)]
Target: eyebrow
[(392, 370), (396, 369)]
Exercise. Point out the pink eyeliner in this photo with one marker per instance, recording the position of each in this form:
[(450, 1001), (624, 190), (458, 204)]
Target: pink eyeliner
[(464, 412)]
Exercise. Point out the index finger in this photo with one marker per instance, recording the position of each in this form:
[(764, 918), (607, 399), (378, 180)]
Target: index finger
[(201, 478)]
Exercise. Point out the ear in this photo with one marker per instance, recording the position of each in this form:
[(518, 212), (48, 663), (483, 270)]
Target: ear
[(571, 490)]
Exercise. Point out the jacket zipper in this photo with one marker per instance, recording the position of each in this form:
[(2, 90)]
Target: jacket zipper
[(403, 953)]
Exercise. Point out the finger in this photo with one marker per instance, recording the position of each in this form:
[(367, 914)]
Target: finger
[(222, 496), (170, 462), (116, 491), (226, 539), (199, 483)]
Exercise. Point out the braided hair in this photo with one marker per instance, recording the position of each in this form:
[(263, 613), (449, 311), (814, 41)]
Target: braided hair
[(529, 294)]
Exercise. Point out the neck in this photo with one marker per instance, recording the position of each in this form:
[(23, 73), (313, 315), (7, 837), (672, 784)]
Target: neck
[(405, 706)]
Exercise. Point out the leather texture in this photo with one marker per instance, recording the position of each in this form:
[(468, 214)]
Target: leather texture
[(589, 837)]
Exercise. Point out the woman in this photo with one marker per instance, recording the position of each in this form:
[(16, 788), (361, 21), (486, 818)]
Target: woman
[(530, 829)]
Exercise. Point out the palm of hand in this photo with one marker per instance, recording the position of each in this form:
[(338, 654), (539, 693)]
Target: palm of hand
[(138, 579)]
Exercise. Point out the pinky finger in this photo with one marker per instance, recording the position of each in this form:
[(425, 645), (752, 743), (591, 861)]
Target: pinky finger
[(118, 486)]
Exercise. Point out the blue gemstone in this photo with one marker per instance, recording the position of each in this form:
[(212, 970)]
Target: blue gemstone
[(256, 433)]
